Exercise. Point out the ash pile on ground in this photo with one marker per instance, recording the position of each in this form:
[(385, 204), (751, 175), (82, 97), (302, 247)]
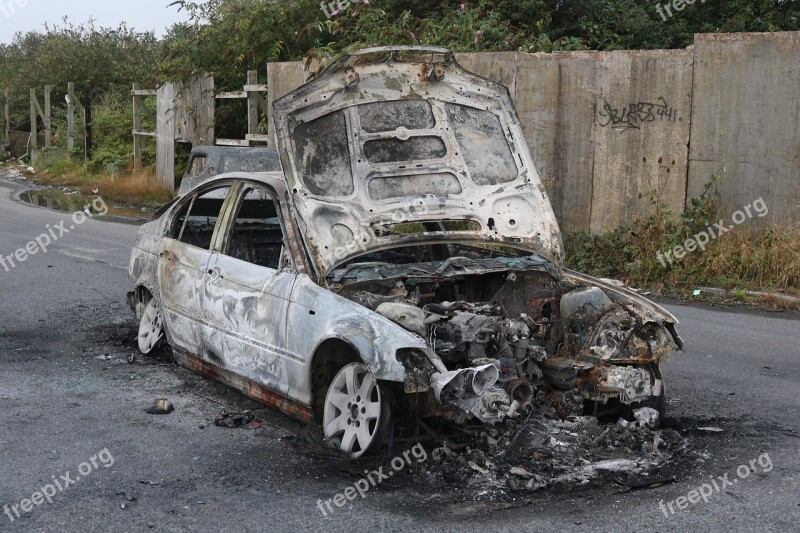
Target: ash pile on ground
[(545, 452)]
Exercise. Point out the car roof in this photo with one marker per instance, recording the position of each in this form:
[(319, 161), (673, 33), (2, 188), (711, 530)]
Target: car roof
[(235, 151), (226, 159), (275, 180)]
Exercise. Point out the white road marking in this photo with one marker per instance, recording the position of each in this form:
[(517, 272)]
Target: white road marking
[(91, 258)]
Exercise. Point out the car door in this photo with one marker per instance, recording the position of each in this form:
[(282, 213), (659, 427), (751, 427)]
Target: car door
[(246, 295), (184, 255)]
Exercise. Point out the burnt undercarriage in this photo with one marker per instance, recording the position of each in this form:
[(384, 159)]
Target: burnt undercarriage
[(506, 332)]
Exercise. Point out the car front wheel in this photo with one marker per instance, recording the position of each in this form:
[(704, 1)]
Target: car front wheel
[(613, 410), (356, 417)]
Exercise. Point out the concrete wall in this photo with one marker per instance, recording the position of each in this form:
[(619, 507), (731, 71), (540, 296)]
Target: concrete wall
[(554, 95), (608, 128), (642, 117), (165, 134), (746, 120), (603, 127)]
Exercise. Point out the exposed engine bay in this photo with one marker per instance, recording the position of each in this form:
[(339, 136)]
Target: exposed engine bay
[(501, 330)]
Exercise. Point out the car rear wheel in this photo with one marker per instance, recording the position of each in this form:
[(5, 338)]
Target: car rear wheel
[(357, 413), (151, 330)]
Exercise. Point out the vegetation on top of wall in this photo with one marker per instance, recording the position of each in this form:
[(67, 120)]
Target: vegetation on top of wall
[(229, 37)]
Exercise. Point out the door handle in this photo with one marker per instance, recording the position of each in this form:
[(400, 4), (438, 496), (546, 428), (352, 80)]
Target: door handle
[(214, 274)]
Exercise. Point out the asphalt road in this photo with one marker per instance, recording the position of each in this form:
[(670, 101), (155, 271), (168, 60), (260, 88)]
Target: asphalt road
[(67, 393)]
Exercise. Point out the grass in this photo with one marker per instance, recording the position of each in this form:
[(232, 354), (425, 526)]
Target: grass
[(130, 187), (754, 258)]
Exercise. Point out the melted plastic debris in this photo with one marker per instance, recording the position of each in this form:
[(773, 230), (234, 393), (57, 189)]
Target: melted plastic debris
[(544, 451)]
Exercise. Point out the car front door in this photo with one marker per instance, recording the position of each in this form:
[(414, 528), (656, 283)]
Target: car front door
[(246, 296), (185, 253)]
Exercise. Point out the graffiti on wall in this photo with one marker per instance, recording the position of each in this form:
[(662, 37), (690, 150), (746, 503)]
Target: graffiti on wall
[(635, 115)]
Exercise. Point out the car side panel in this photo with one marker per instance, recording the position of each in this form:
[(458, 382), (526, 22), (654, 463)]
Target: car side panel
[(317, 314), (244, 329), (182, 271)]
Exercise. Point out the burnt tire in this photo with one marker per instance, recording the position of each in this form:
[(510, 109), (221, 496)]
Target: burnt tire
[(614, 409), (659, 403)]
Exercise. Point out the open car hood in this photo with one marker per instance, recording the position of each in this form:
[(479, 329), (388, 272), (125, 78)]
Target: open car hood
[(399, 145)]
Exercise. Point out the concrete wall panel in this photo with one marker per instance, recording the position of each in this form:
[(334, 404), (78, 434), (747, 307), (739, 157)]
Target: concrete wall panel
[(642, 118), (746, 120), (499, 67), (607, 128), (185, 113), (555, 96)]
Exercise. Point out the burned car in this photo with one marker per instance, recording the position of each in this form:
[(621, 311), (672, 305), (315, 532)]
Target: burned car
[(405, 260)]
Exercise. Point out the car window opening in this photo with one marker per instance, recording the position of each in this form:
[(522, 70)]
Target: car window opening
[(198, 228), (256, 236)]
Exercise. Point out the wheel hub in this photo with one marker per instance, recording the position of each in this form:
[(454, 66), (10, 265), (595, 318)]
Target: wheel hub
[(150, 328), (357, 411), (353, 410)]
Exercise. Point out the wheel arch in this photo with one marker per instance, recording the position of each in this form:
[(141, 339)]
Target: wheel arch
[(329, 357), (143, 293)]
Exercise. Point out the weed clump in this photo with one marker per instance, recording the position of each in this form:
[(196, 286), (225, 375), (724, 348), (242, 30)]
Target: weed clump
[(746, 257)]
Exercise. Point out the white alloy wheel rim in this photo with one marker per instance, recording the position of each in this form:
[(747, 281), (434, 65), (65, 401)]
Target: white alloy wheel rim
[(150, 330), (352, 416)]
